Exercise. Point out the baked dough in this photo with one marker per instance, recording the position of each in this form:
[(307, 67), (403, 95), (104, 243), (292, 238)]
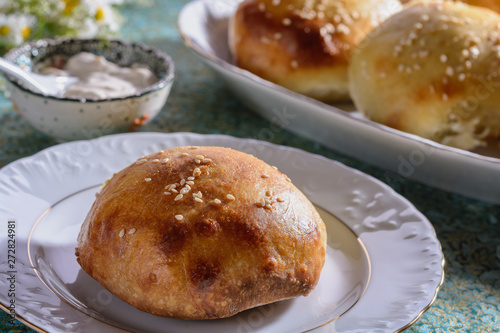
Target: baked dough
[(432, 70), (304, 46), (491, 4), (202, 233)]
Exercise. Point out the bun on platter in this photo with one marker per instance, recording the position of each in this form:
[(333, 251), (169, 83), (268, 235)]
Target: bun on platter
[(202, 233), (432, 70), (490, 4), (304, 46)]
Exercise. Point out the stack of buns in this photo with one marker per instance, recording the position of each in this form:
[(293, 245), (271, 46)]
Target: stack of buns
[(202, 233), (430, 68)]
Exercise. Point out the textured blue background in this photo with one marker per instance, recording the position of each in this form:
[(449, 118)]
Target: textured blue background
[(469, 230)]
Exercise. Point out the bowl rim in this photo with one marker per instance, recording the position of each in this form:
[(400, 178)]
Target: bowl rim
[(27, 47)]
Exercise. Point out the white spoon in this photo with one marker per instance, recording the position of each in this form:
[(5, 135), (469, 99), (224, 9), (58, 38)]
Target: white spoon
[(44, 84)]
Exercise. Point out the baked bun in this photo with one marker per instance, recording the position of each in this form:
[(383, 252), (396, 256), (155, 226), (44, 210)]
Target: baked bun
[(202, 233), (302, 45), (432, 70), (491, 4)]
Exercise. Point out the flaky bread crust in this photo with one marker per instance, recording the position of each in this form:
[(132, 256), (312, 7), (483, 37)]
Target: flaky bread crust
[(234, 233), (304, 46), (432, 70)]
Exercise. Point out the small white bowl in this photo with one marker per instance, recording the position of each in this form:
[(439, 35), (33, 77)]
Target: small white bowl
[(74, 119)]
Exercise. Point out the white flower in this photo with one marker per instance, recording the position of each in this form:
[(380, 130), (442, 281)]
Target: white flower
[(54, 18), (78, 12), (103, 13), (106, 16), (16, 28), (88, 29)]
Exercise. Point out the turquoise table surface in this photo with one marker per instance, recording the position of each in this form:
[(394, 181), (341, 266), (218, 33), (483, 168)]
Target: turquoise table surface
[(469, 230)]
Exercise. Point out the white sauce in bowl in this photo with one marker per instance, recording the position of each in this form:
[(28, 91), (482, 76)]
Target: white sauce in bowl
[(101, 79)]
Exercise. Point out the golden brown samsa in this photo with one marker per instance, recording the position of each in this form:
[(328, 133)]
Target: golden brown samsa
[(304, 46), (202, 233)]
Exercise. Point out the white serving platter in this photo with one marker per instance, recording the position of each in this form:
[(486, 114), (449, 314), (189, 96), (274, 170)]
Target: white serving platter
[(384, 264), (203, 25)]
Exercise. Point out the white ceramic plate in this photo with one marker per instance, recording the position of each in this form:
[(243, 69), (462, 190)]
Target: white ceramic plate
[(203, 25), (383, 269)]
